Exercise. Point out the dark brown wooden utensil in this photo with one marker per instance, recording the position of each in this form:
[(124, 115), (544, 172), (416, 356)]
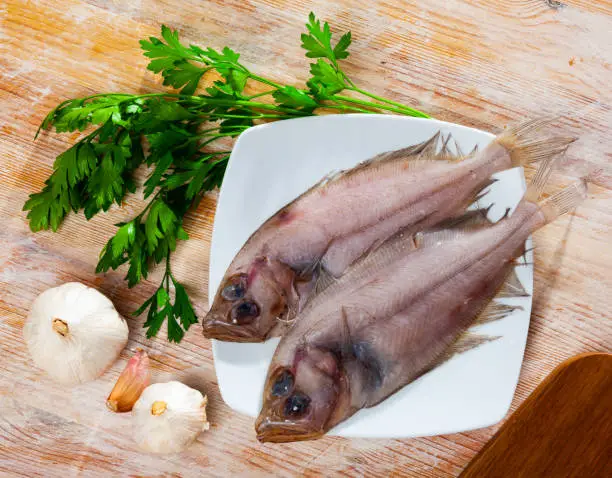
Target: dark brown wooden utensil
[(563, 429)]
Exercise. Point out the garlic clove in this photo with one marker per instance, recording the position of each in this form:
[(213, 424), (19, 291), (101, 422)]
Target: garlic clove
[(168, 417), (74, 333), (133, 380)]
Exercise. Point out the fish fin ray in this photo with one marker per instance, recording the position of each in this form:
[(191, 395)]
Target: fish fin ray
[(380, 251), (482, 191), (460, 154), (565, 200), (525, 145), (512, 287), (466, 342), (324, 280), (536, 186), (416, 154), (470, 219), (495, 311)]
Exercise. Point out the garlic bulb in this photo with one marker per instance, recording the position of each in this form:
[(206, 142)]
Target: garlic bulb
[(74, 333), (133, 380), (168, 417)]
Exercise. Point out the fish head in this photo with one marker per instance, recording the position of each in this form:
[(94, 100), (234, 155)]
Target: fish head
[(249, 302), (304, 400)]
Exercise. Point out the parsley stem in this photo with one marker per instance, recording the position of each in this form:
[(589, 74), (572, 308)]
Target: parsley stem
[(168, 272), (265, 81), (409, 111), (257, 116), (147, 207), (346, 108), (404, 110), (263, 93)]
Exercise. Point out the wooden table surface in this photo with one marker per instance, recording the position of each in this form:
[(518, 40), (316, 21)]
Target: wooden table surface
[(483, 64)]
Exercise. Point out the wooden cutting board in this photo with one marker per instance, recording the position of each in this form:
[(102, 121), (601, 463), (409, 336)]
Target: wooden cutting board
[(564, 428)]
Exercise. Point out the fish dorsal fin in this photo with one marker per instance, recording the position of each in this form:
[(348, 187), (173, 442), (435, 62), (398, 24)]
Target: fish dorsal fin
[(421, 152), (466, 342), (417, 153), (495, 311), (445, 152), (478, 194), (512, 287)]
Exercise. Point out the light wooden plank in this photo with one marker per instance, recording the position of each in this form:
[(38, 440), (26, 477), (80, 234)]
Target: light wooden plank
[(484, 64)]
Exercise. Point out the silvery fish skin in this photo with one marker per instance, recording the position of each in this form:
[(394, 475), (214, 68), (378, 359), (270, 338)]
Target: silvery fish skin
[(376, 330), (280, 267)]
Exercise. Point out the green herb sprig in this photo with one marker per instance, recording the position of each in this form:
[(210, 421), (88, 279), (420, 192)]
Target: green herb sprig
[(177, 136)]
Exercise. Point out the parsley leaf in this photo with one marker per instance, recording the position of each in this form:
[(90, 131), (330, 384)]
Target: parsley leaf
[(179, 315), (318, 42), (325, 81), (292, 97)]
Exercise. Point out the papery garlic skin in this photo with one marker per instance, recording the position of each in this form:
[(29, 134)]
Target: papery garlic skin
[(133, 380), (74, 333), (168, 417)]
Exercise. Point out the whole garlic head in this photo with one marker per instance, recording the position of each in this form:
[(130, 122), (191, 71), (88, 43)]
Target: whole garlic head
[(168, 417), (74, 333)]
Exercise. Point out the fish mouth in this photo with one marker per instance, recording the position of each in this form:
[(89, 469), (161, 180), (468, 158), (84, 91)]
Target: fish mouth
[(220, 330), (272, 431)]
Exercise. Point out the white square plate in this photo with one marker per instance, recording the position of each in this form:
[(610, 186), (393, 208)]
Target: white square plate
[(272, 164)]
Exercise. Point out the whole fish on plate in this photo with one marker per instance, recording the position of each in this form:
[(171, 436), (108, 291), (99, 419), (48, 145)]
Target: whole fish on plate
[(383, 325), (318, 235)]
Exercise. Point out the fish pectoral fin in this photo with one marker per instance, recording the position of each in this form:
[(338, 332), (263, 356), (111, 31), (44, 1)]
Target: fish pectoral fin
[(495, 311), (466, 342), (311, 282), (512, 287), (323, 280)]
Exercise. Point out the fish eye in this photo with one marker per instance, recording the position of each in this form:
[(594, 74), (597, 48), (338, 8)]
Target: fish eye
[(235, 289), (297, 405), (283, 384), (244, 313)]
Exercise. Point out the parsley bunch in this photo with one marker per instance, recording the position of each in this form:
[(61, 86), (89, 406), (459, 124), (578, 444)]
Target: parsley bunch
[(177, 136)]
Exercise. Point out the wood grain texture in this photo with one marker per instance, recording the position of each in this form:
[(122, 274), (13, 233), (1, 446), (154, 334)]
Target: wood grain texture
[(563, 429), (483, 64)]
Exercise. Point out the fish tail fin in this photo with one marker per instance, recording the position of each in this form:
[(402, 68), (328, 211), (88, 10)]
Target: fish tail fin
[(526, 146), (560, 203), (536, 186), (565, 200)]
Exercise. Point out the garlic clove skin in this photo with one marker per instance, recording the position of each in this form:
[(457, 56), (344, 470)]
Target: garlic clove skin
[(133, 380), (74, 333), (168, 417)]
